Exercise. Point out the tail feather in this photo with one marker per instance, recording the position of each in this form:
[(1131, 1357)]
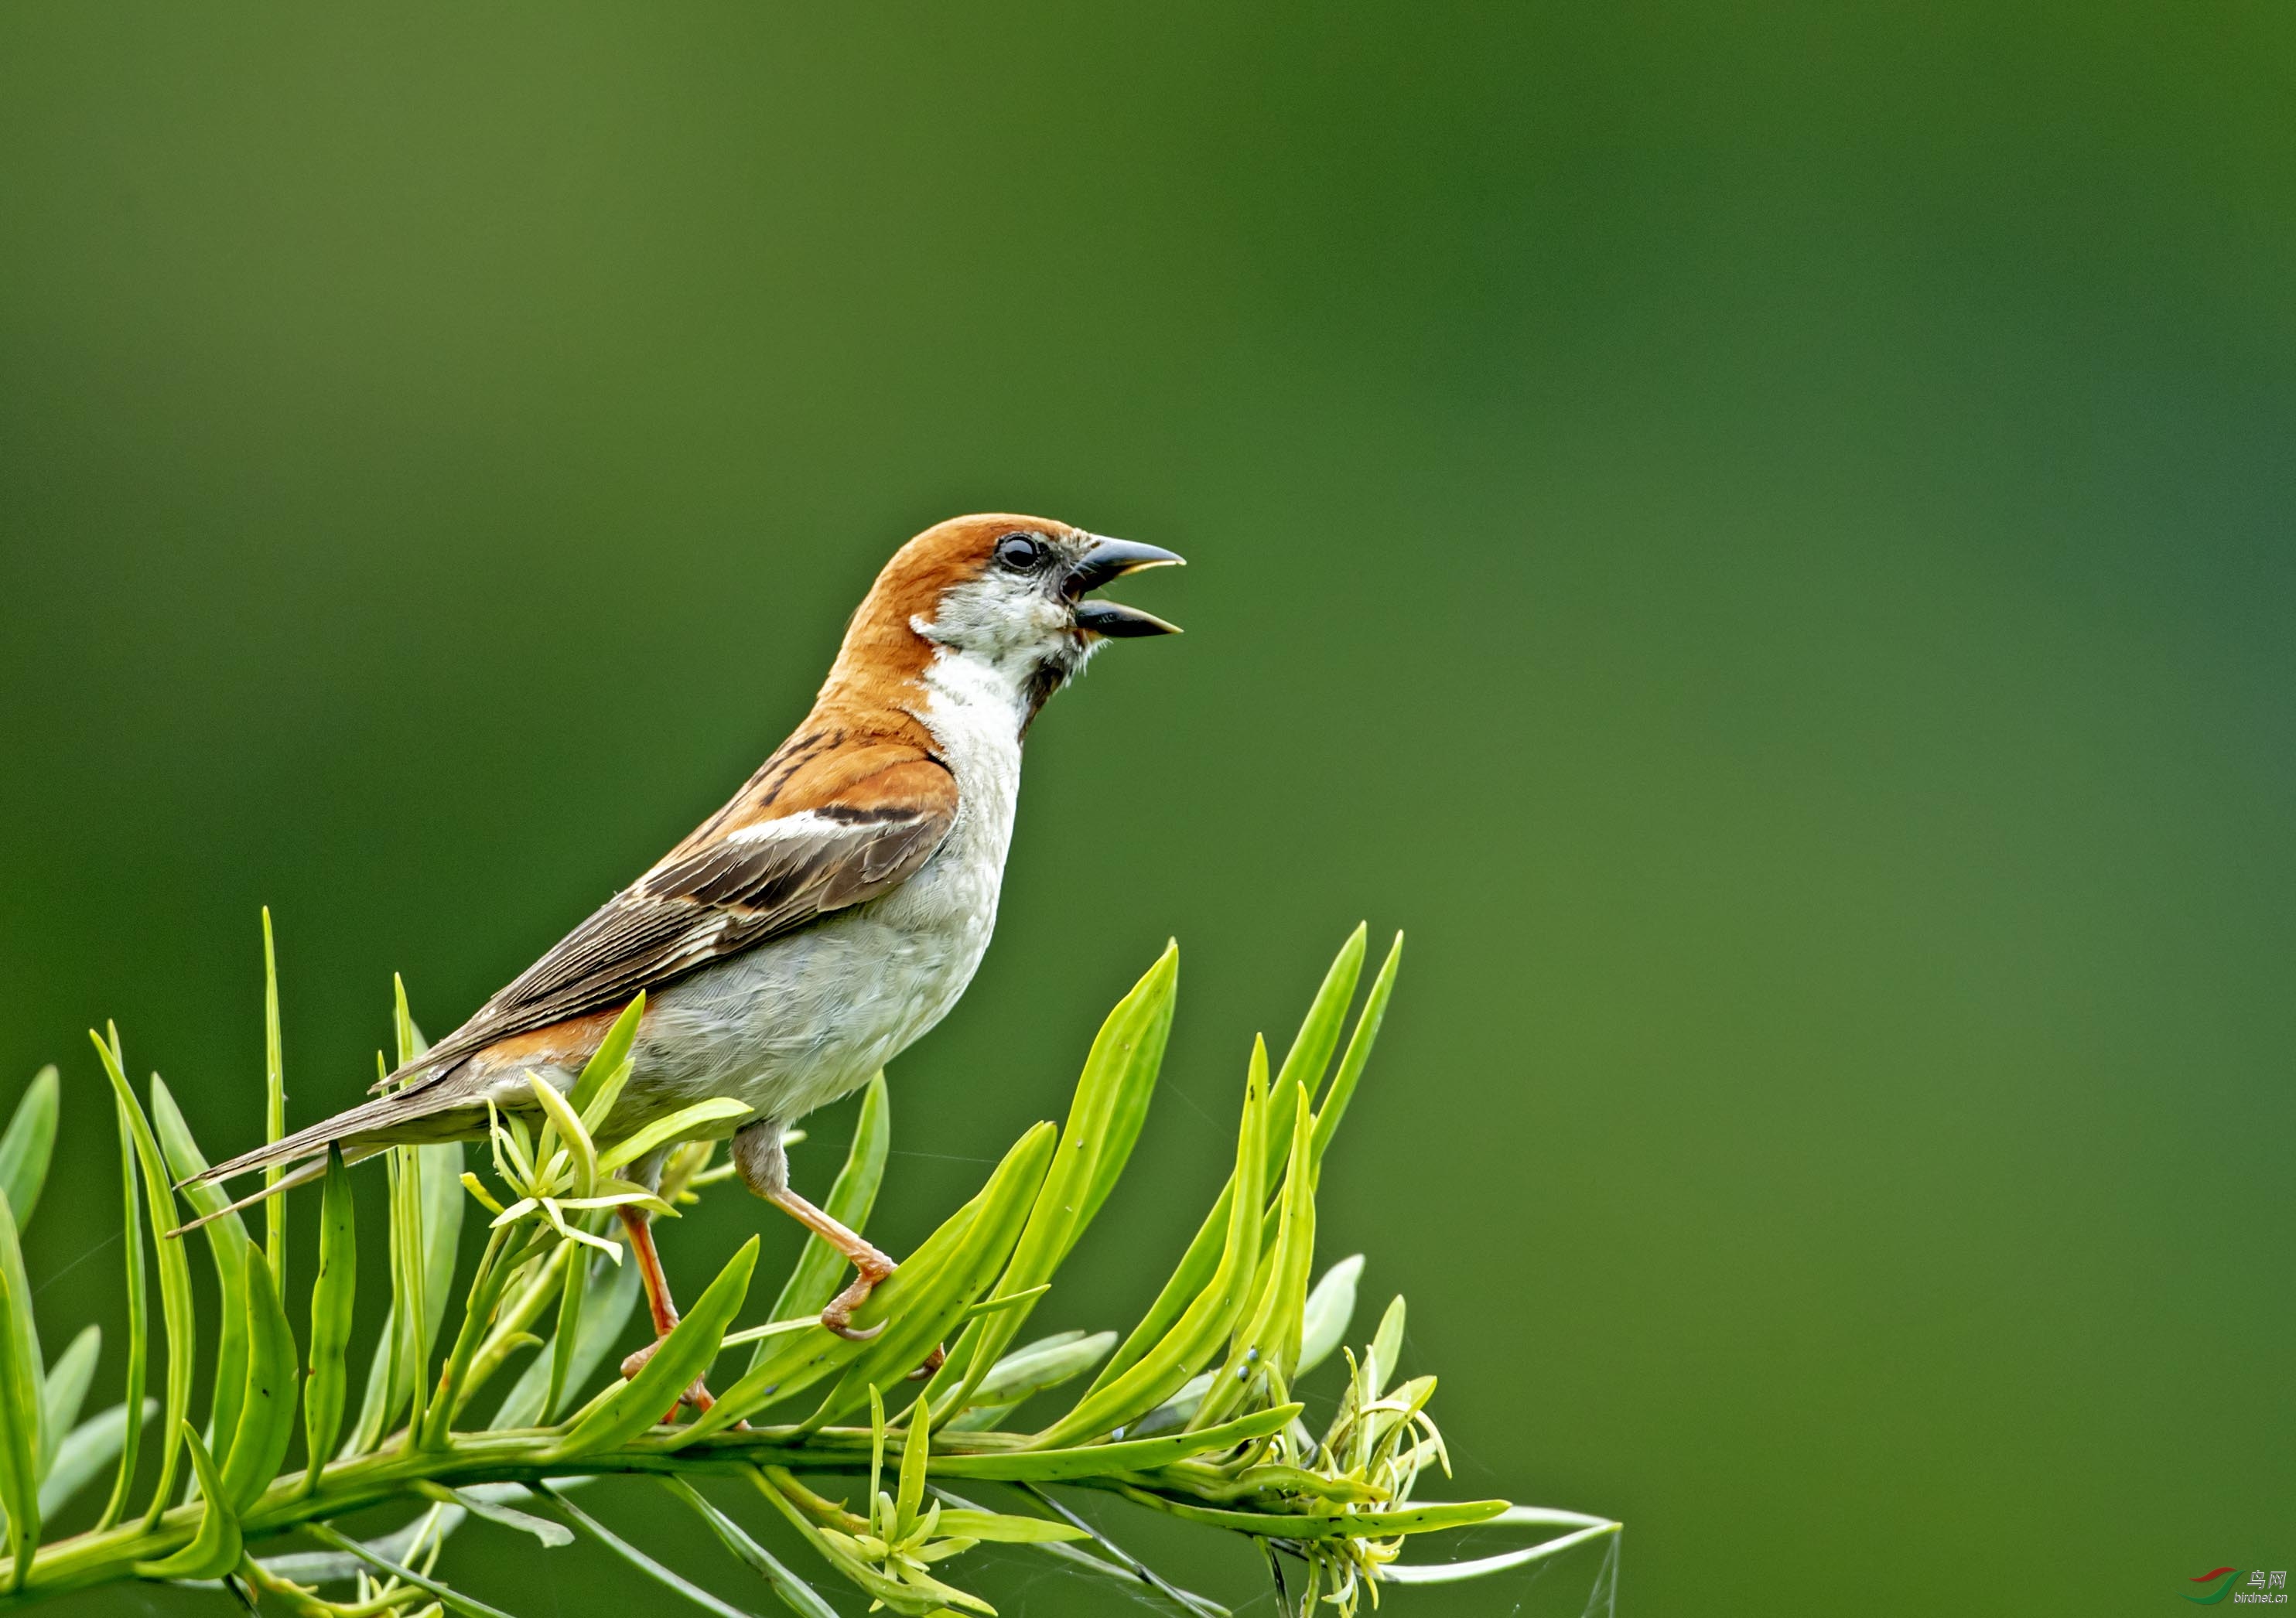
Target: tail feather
[(304, 1175), (363, 1124)]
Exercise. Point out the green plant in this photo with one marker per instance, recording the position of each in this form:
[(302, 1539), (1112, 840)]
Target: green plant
[(1192, 1414)]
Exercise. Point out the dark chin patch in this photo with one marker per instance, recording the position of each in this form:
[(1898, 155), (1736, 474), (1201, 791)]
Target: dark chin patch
[(1048, 677)]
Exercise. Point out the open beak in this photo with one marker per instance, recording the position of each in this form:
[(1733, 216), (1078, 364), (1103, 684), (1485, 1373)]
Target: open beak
[(1109, 560)]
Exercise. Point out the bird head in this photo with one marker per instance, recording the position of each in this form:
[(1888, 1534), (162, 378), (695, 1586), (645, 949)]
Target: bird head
[(1006, 594)]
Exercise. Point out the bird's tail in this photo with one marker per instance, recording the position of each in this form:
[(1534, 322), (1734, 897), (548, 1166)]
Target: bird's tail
[(365, 1130)]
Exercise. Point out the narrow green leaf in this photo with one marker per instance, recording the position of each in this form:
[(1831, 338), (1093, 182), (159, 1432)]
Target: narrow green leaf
[(375, 1399), (1319, 1031), (1129, 1455), (541, 1280), (410, 1040), (605, 1311), (85, 1451), (566, 1345), (1386, 1350), (1482, 1567), (552, 1535), (1180, 1353), (1041, 1366), (612, 1051), (451, 1598), (684, 1354), (1310, 1051), (426, 1223), (1330, 1307), (1147, 1028), (441, 1203), (65, 1390), (28, 1146), (916, 1445), (917, 1320), (214, 1548), (1004, 1301), (1267, 1346), (266, 1410), (410, 1304), (494, 1273), (998, 1528), (333, 1296), (680, 1123), (580, 1147), (819, 1267), (1180, 1290), (779, 1487), (919, 1302), (229, 1246), (139, 1346), (176, 1309), (1335, 1524), (274, 1108), (1335, 1101), (22, 1424), (795, 1593), (638, 1559), (1105, 1118), (1115, 1562)]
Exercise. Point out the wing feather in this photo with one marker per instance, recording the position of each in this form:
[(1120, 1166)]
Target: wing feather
[(785, 852)]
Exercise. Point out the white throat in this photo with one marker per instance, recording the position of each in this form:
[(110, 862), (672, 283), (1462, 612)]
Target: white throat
[(975, 710)]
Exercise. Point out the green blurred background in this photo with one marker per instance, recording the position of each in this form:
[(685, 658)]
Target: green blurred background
[(1759, 535)]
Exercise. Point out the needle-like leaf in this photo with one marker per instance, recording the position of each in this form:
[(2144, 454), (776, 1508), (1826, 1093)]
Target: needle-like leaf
[(21, 1419), (451, 1598), (1105, 1118), (176, 1308), (1334, 1104), (266, 1410), (643, 1563), (274, 1108), (607, 1306), (1180, 1352), (230, 1247), (28, 1146), (795, 1593), (214, 1550), (65, 1390), (139, 1346), (1585, 1528), (675, 1127), (631, 1409), (86, 1450), (333, 1296), (552, 1535)]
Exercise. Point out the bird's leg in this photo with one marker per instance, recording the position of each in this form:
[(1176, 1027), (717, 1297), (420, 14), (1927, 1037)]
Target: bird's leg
[(869, 1265), (637, 1224), (764, 1169)]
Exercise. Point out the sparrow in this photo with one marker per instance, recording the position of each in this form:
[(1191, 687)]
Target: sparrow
[(822, 921)]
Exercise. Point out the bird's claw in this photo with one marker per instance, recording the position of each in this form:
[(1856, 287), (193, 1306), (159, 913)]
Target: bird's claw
[(838, 1316), (933, 1361), (697, 1395)]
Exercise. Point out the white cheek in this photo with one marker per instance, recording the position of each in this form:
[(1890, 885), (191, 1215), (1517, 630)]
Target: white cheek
[(1008, 622)]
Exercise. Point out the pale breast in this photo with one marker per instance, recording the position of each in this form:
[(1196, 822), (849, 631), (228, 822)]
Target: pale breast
[(796, 1023)]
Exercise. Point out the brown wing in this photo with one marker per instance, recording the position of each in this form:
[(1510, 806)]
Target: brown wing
[(809, 835)]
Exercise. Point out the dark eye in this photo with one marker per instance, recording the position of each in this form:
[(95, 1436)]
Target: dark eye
[(1019, 552)]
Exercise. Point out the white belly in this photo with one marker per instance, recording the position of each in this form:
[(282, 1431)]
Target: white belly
[(794, 1024)]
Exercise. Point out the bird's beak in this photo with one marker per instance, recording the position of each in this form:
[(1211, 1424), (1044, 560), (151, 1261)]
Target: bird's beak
[(1109, 560)]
